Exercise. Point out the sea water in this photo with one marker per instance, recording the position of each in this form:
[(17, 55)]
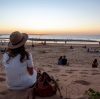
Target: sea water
[(62, 36)]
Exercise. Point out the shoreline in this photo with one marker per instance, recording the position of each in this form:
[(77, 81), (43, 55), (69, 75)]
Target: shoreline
[(58, 40)]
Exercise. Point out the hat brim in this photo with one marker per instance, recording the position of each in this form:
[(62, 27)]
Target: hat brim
[(25, 37)]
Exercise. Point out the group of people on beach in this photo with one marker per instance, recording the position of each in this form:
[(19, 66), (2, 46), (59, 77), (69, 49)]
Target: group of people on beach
[(20, 70), (63, 61), (93, 50)]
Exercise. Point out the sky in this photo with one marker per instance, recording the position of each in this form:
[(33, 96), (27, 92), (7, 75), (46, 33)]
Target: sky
[(50, 16)]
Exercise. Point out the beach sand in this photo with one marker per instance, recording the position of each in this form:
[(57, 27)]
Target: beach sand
[(74, 79)]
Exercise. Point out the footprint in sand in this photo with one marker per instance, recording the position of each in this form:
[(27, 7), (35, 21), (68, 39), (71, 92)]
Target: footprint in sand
[(84, 76), (3, 93), (63, 75), (73, 70), (2, 74), (69, 71), (84, 70), (95, 73), (83, 73), (94, 70), (2, 79), (83, 82), (55, 70)]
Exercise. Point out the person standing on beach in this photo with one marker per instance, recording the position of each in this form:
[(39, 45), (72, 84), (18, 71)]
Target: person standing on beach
[(95, 63), (18, 63), (64, 60)]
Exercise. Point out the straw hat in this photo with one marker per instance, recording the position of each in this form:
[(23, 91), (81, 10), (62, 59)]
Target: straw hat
[(17, 39)]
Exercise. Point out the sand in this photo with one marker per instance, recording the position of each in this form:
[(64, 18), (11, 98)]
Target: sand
[(74, 79)]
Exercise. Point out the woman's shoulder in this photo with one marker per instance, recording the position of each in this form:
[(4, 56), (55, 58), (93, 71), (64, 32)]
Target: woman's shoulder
[(5, 54), (30, 53)]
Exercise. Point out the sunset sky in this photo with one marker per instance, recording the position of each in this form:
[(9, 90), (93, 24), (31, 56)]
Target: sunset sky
[(50, 16)]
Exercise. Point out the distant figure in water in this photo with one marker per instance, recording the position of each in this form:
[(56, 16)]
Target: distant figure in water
[(95, 63)]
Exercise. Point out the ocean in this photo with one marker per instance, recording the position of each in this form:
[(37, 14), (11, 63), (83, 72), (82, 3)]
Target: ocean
[(63, 36)]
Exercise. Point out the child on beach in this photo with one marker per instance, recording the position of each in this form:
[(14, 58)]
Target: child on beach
[(18, 63), (95, 63)]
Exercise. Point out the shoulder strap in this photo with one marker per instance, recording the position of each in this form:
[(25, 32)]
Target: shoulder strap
[(32, 92), (57, 86)]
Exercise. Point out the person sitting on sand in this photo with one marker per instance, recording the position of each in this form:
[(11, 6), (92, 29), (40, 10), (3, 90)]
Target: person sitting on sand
[(60, 60), (88, 50), (64, 60), (71, 47), (84, 46), (2, 50), (98, 50), (18, 63), (95, 63)]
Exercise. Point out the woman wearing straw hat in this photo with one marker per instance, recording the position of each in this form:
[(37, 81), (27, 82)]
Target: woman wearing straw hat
[(18, 63)]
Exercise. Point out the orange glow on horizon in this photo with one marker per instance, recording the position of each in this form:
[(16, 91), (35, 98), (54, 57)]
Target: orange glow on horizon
[(51, 31)]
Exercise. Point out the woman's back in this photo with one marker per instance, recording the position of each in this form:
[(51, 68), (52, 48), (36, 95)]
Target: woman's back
[(16, 72), (18, 63)]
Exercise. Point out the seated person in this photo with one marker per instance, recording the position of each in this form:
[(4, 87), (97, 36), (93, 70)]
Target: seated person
[(84, 46), (88, 50), (60, 61), (98, 50), (20, 70), (95, 63), (3, 50), (64, 60), (71, 47)]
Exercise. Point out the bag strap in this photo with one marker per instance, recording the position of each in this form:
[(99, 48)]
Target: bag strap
[(32, 92), (57, 87), (55, 83)]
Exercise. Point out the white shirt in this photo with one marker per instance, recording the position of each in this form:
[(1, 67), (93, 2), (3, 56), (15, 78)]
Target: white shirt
[(17, 76)]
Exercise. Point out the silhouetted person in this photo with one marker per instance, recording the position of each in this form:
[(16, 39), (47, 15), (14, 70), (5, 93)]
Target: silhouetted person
[(64, 60), (95, 63), (84, 46), (88, 50), (71, 47), (32, 45)]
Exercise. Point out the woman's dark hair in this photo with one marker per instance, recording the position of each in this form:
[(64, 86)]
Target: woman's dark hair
[(95, 60), (21, 50), (60, 57)]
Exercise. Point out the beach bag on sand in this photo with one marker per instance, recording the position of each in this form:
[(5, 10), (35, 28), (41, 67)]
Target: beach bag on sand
[(46, 86), (20, 94)]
